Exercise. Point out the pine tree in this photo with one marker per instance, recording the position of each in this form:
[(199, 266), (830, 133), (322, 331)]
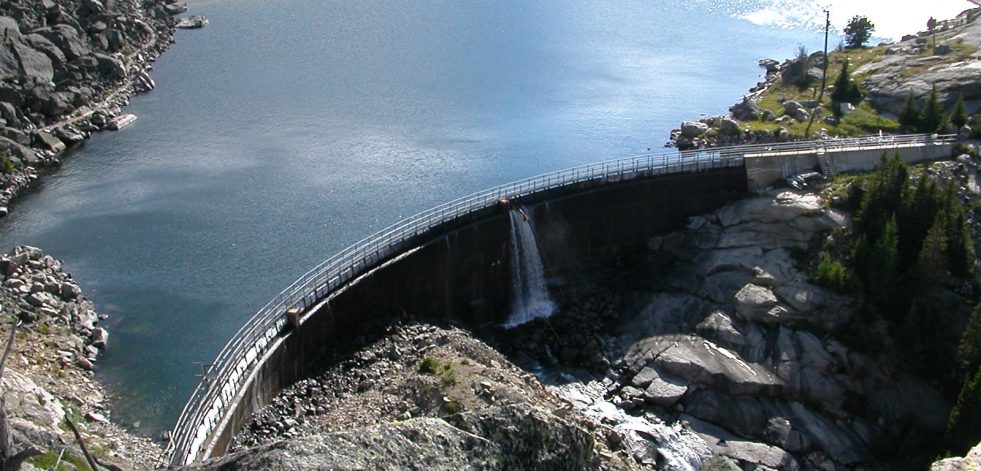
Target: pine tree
[(883, 265), (883, 197), (918, 214), (858, 30), (931, 264), (932, 115), (846, 91), (960, 246), (909, 116), (963, 431), (959, 116), (969, 349)]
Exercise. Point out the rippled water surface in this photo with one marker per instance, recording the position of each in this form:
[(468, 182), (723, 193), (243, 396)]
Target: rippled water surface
[(289, 129)]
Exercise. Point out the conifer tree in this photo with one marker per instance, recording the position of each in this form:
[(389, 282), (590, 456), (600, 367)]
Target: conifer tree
[(931, 263), (883, 264), (958, 117), (932, 115), (846, 91), (918, 214), (960, 246), (962, 427), (909, 116), (969, 349)]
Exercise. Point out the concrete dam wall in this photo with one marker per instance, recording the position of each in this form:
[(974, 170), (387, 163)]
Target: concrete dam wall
[(462, 273)]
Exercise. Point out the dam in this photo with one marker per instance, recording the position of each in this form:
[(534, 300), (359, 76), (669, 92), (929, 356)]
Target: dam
[(457, 261)]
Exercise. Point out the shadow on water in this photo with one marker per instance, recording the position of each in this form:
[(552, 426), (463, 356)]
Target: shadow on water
[(144, 400)]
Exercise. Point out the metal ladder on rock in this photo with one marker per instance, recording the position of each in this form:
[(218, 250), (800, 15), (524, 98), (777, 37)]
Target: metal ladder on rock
[(826, 164)]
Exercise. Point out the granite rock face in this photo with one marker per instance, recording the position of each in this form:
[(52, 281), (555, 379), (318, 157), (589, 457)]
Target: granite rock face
[(66, 66)]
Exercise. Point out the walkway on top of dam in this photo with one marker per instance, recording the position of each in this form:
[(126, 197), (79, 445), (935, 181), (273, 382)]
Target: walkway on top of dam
[(207, 414)]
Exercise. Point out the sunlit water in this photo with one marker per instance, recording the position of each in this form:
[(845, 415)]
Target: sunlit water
[(289, 129)]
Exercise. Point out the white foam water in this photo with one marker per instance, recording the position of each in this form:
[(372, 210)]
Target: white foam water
[(530, 298)]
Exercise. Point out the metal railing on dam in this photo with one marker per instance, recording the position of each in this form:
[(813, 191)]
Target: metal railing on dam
[(219, 388)]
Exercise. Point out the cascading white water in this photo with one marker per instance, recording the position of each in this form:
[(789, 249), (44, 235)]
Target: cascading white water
[(530, 294)]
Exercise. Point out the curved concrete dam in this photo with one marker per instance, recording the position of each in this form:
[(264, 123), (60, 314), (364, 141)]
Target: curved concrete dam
[(456, 262)]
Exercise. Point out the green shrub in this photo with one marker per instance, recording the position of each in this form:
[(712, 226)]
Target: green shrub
[(6, 165), (832, 274), (429, 366)]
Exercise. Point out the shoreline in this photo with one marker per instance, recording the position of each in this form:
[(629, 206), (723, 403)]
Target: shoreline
[(51, 377), (56, 140)]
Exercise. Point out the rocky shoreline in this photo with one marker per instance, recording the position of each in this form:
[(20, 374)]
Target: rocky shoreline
[(777, 109), (67, 68), (49, 376)]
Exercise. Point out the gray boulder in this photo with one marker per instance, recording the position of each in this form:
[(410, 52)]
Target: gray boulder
[(50, 142), (20, 61), (692, 129), (110, 66), (729, 127), (758, 454), (66, 38), (16, 135), (47, 47), (791, 107), (699, 361), (746, 110)]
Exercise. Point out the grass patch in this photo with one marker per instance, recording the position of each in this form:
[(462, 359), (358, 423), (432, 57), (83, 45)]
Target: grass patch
[(431, 366), (68, 461)]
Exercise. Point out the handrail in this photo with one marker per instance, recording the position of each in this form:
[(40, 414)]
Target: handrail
[(205, 407)]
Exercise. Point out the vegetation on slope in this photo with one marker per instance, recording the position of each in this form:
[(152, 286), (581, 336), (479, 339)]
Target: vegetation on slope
[(909, 258)]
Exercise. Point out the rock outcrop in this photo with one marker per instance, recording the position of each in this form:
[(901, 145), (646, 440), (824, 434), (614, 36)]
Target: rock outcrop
[(422, 396), (914, 65)]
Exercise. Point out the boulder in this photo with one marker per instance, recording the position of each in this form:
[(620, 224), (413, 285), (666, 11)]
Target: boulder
[(99, 338), (692, 129), (18, 153), (770, 65), (50, 142), (700, 361), (110, 66), (718, 327), (20, 61), (729, 127), (746, 110), (16, 135), (758, 454), (791, 107), (664, 390), (47, 47), (66, 38), (758, 304)]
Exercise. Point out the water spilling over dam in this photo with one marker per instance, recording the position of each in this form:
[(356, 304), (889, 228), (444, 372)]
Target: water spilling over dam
[(530, 298)]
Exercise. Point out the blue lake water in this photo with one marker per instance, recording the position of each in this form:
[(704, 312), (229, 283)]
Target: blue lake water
[(289, 129)]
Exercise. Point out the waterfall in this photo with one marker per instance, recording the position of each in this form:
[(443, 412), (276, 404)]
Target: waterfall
[(530, 299)]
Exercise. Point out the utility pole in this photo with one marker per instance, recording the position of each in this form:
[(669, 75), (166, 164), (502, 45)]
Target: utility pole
[(824, 72)]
